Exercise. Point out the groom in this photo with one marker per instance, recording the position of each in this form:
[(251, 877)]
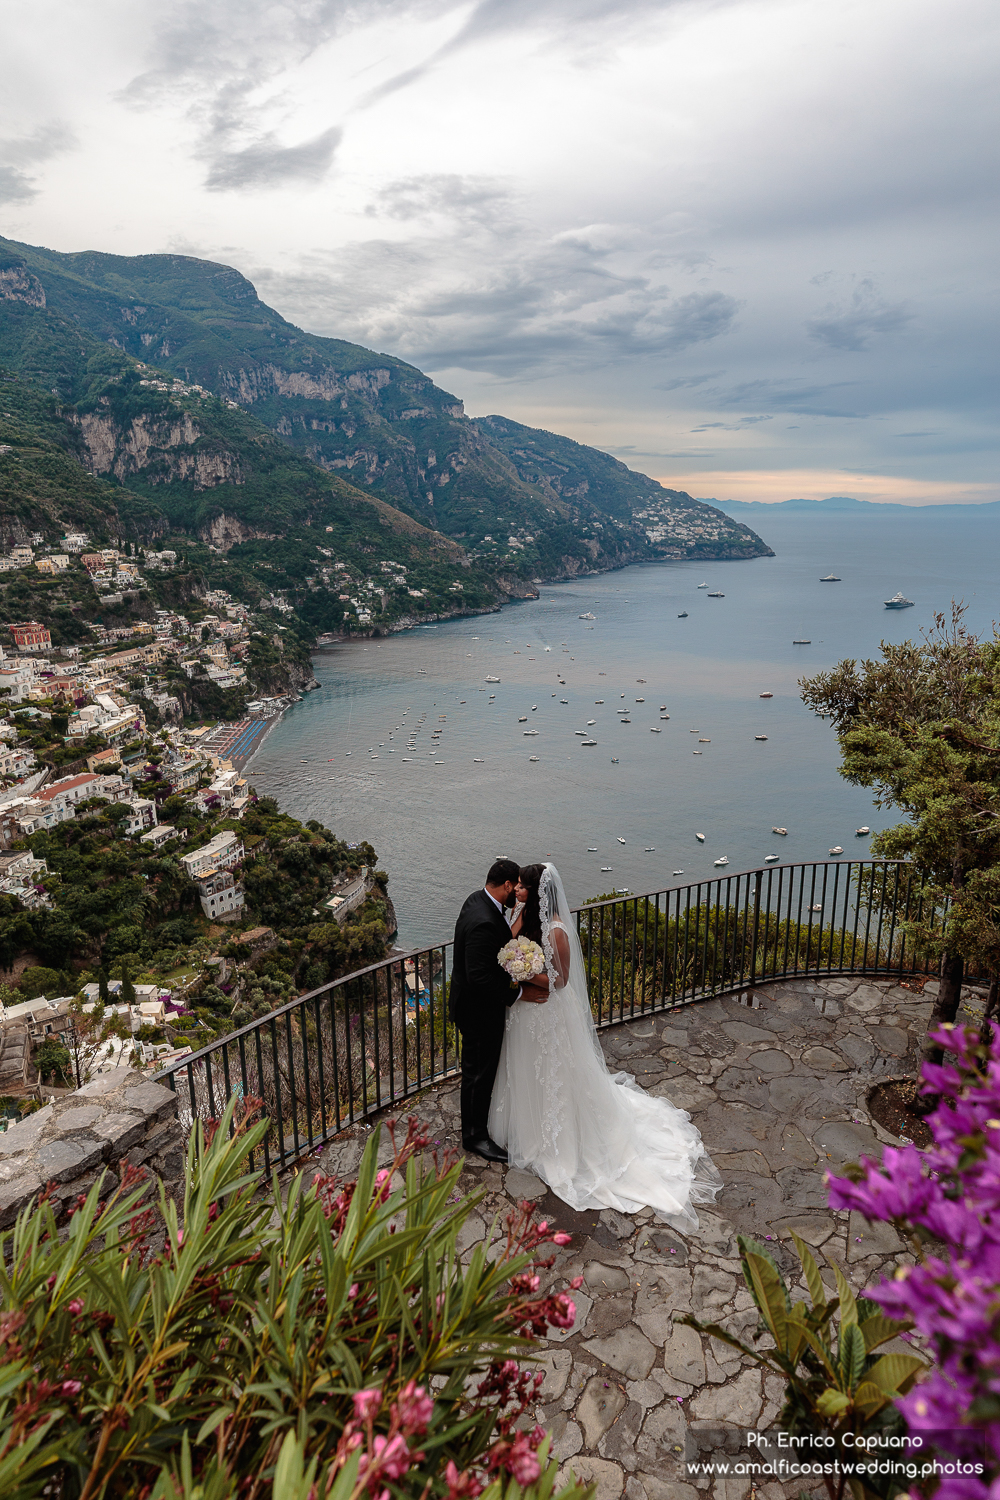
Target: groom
[(480, 995)]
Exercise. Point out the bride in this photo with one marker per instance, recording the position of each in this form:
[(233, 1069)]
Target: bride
[(596, 1138)]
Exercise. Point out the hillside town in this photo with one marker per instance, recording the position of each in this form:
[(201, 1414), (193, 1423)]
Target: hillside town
[(111, 799)]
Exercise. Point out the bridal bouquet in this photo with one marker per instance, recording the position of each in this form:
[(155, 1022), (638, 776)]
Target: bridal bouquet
[(521, 959)]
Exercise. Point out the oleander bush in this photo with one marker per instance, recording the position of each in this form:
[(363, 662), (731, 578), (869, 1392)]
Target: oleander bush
[(255, 1345)]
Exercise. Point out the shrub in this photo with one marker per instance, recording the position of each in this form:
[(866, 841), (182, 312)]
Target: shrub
[(945, 1201), (246, 1339)]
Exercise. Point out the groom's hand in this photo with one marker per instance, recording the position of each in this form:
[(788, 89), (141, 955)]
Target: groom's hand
[(537, 997)]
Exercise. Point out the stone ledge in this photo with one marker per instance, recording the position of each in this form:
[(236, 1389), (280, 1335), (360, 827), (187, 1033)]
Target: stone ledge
[(68, 1142)]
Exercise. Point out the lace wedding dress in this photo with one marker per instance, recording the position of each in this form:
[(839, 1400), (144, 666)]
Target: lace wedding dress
[(597, 1138)]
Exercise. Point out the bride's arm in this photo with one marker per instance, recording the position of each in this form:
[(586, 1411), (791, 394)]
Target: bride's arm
[(560, 952)]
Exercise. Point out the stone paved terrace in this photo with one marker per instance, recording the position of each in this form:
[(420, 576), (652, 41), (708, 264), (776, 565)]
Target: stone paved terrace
[(778, 1091)]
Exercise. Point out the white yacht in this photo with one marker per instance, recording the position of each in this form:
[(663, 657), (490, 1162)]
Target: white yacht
[(782, 831), (587, 616), (760, 736), (859, 833), (771, 859), (899, 601), (700, 837), (491, 679), (723, 861), (837, 849)]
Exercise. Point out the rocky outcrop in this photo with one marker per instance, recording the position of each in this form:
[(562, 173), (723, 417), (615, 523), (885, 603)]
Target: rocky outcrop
[(166, 450), (225, 531), (17, 284)]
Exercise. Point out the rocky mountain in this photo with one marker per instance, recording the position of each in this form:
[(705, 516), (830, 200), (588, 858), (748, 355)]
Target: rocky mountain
[(523, 503)]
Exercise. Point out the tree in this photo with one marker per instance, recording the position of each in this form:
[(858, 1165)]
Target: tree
[(52, 1060), (128, 988), (103, 992), (921, 727)]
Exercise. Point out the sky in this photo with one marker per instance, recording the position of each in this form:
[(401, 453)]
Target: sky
[(747, 246)]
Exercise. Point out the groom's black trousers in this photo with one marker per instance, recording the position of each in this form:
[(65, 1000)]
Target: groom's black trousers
[(481, 1045)]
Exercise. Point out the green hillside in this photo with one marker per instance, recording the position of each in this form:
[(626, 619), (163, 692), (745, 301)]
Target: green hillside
[(527, 503)]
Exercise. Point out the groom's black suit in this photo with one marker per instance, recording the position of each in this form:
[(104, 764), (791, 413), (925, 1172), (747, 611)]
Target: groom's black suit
[(480, 995)]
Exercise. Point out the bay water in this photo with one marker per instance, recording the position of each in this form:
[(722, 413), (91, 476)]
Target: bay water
[(358, 755)]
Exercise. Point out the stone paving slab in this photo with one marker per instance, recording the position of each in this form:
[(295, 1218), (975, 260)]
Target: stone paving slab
[(778, 1092)]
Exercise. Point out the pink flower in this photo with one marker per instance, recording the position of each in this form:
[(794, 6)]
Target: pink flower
[(75, 1307), (562, 1313), (521, 1462), (562, 1238), (71, 1387), (392, 1456), (462, 1486), (382, 1185), (366, 1404), (415, 1408), (353, 1289)]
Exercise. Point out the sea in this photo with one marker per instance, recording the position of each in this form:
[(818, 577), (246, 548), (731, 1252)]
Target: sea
[(420, 742)]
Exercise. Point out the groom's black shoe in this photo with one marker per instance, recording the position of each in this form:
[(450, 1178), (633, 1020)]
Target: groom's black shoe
[(487, 1149)]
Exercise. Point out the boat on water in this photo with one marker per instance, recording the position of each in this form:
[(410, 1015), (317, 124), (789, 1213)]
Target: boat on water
[(587, 616), (534, 708), (605, 869), (523, 719), (478, 761), (655, 729), (766, 695), (563, 700), (703, 585), (621, 841), (650, 850), (859, 833), (678, 872), (716, 595), (592, 849), (591, 721), (760, 736), (802, 643), (582, 732), (830, 578), (771, 859), (704, 742), (624, 721), (723, 861), (614, 760), (664, 718), (588, 742), (532, 757), (817, 907), (530, 731), (837, 849), (491, 679), (782, 831), (700, 837), (683, 615), (899, 601)]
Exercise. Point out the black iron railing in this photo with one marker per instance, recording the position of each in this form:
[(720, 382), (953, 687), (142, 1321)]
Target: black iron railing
[(378, 1036)]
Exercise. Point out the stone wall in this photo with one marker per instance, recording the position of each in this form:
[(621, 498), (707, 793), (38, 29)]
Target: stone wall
[(118, 1116)]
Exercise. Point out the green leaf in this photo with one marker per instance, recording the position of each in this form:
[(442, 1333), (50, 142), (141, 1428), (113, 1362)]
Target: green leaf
[(814, 1280), (895, 1373), (848, 1303), (832, 1403), (878, 1329), (211, 1423), (852, 1354)]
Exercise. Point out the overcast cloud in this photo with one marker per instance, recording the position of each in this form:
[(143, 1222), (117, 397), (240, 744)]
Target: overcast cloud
[(747, 245)]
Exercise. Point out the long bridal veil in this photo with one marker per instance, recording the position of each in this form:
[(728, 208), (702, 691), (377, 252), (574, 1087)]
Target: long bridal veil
[(596, 1138)]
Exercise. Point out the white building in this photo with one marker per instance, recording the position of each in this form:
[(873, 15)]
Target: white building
[(159, 835), (220, 853), (221, 898)]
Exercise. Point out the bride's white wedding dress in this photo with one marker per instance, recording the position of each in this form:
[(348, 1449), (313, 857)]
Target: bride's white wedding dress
[(597, 1138)]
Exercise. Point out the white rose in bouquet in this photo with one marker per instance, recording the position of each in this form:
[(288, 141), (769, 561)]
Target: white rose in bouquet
[(521, 959)]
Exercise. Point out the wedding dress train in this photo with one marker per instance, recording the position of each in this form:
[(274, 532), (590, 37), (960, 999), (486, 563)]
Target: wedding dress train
[(596, 1138)]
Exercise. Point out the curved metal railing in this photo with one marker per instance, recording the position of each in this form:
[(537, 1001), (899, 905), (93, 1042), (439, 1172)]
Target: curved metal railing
[(376, 1037)]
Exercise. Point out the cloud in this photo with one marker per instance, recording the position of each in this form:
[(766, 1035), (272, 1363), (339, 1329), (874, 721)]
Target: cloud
[(266, 164), (852, 327), (792, 396), (464, 199), (18, 152)]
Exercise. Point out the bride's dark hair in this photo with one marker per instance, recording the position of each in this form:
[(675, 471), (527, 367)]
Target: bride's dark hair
[(531, 917)]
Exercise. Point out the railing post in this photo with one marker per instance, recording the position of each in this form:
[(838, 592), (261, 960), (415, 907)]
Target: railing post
[(757, 879)]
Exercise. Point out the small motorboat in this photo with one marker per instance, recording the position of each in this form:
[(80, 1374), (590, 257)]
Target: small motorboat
[(491, 679), (716, 595), (605, 869), (621, 841), (697, 752), (588, 742), (587, 616), (478, 761), (678, 872), (830, 578), (817, 907), (802, 643), (598, 701), (582, 732), (655, 729), (700, 837), (592, 849), (591, 721), (766, 695), (760, 736), (664, 718), (528, 732), (723, 861), (523, 719), (703, 741), (640, 700), (771, 859), (859, 833), (782, 831), (534, 708), (663, 708), (650, 850), (563, 700), (614, 760), (624, 721), (683, 615), (703, 585), (532, 757), (837, 849)]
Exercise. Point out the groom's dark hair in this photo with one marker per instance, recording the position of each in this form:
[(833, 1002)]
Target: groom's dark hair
[(502, 870)]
